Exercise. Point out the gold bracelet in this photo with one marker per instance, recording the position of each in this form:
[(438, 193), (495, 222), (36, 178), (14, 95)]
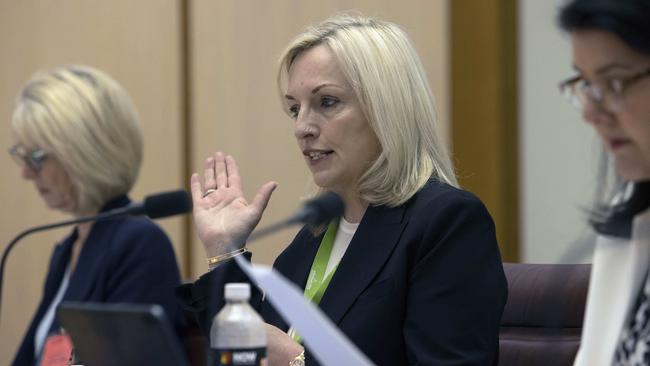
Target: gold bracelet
[(213, 261), (299, 360)]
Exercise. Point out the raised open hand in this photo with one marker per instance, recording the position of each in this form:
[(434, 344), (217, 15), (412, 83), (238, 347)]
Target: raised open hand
[(221, 212)]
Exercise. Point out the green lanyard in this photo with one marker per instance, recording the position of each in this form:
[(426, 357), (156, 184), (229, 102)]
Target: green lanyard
[(318, 281)]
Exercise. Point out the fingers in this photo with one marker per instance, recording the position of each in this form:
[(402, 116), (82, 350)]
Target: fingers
[(264, 195), (195, 189), (234, 179), (220, 170), (209, 174)]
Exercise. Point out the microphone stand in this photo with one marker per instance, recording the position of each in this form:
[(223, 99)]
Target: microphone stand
[(154, 206), (120, 212)]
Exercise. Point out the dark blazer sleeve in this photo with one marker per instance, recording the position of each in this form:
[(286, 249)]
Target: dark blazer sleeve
[(204, 297), (457, 288)]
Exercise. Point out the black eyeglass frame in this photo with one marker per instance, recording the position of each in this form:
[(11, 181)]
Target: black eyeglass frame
[(616, 87)]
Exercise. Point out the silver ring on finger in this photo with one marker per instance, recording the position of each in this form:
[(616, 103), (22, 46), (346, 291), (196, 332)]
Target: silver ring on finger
[(208, 192)]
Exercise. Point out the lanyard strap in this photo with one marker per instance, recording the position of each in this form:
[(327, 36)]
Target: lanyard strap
[(318, 280)]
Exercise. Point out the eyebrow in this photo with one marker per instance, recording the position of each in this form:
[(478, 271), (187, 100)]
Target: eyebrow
[(608, 67), (315, 90)]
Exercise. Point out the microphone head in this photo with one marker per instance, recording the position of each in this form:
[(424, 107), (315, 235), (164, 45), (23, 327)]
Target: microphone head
[(167, 204), (321, 209)]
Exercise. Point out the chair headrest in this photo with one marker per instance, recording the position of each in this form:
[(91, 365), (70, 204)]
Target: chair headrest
[(546, 295)]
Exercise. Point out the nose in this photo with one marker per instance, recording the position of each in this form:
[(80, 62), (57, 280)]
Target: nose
[(304, 127), (28, 173), (594, 112)]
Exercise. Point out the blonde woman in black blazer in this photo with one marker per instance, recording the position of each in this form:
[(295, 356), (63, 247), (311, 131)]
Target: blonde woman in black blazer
[(416, 274)]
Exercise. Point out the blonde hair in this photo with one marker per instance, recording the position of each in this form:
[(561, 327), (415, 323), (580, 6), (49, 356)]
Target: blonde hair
[(88, 122), (385, 71)]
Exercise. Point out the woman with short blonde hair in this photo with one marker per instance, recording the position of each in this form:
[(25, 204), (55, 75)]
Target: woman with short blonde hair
[(89, 122), (79, 141)]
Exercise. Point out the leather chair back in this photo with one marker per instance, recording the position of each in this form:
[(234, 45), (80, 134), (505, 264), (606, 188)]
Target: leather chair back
[(542, 320)]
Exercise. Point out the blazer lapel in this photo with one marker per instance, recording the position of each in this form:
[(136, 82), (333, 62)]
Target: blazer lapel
[(59, 264), (57, 270), (297, 273), (90, 260), (370, 248), (300, 271), (93, 254)]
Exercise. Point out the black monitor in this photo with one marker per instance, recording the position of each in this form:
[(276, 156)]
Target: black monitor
[(121, 334)]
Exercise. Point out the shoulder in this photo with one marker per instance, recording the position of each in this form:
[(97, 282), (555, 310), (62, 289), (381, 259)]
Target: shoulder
[(138, 245), (441, 200), (442, 216), (140, 228), (135, 234)]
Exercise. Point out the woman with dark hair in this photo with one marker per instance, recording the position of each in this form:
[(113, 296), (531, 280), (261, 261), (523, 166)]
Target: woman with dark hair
[(611, 54)]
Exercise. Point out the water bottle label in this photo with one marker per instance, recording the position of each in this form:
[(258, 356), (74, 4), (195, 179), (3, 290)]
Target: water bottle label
[(240, 357)]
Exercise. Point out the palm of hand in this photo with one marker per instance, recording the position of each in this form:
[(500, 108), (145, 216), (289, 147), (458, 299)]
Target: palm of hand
[(222, 216), (225, 218)]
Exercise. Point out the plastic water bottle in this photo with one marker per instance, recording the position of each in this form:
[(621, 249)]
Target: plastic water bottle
[(237, 336)]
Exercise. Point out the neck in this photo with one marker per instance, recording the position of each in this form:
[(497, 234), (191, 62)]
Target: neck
[(355, 207), (83, 229)]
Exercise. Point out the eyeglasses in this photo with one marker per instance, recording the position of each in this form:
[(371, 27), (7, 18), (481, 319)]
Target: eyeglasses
[(31, 159), (608, 93)]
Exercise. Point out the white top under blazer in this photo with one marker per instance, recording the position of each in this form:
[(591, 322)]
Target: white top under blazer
[(618, 270)]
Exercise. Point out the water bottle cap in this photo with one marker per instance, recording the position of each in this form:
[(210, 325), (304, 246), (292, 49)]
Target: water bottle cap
[(238, 291)]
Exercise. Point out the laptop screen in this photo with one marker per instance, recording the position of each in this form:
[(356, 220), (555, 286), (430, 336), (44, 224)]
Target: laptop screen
[(120, 334)]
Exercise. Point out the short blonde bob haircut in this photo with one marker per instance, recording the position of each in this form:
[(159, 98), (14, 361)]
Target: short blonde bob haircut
[(87, 121), (385, 71)]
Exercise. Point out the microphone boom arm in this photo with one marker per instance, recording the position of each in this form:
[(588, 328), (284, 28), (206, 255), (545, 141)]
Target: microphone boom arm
[(121, 212), (155, 206)]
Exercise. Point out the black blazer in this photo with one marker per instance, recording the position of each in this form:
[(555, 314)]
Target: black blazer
[(420, 284), (123, 260)]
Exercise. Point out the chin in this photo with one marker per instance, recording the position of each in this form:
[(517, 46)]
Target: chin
[(60, 207), (322, 181), (633, 173)]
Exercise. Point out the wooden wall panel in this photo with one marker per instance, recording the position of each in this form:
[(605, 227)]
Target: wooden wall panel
[(484, 110), (202, 74), (137, 42), (236, 108)]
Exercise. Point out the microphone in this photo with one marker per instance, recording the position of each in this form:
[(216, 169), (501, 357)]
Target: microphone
[(314, 212), (160, 205), (154, 206), (317, 211), (328, 344)]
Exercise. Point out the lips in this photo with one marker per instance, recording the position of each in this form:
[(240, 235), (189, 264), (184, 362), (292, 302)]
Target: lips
[(315, 155), (617, 143)]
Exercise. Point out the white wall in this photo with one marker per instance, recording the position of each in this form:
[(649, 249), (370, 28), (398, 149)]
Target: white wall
[(558, 151)]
